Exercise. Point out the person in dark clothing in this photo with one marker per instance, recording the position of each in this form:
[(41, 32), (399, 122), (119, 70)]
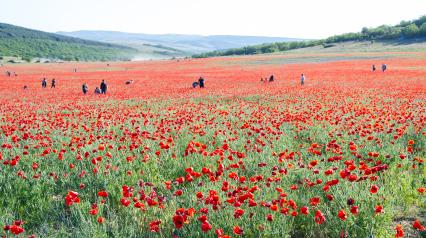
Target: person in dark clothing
[(44, 83), (384, 67), (271, 79), (97, 90), (201, 82), (103, 87), (8, 73), (85, 88), (374, 67), (53, 85)]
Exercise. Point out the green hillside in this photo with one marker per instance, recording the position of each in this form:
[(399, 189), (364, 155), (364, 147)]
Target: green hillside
[(26, 43), (406, 31)]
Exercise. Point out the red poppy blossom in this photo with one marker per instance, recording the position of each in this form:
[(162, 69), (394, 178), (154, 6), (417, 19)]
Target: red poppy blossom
[(178, 221), (418, 226), (342, 215), (374, 189), (237, 230)]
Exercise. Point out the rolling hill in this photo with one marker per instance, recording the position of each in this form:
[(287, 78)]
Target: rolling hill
[(407, 32), (167, 45), (27, 44)]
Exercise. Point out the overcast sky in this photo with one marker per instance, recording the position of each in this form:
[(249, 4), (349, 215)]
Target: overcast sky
[(286, 18)]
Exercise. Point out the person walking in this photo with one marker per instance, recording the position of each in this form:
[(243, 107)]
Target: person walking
[(302, 80), (374, 67), (53, 85)]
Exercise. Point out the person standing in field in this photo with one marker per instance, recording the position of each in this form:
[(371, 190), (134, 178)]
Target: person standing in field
[(53, 85), (103, 87), (85, 88), (374, 67), (302, 80), (271, 79), (384, 67), (201, 82), (44, 83)]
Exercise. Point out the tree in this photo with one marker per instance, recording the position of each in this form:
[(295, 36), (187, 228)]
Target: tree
[(410, 30), (422, 29)]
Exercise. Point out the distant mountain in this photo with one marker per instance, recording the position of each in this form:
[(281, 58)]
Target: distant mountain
[(174, 44), (27, 44)]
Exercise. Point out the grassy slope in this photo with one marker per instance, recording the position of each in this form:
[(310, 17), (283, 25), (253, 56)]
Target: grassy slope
[(366, 46), (27, 43)]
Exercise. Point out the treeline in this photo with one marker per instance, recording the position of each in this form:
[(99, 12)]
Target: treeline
[(28, 44), (404, 30)]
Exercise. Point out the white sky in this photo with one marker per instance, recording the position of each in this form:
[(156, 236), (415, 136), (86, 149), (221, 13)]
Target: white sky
[(286, 18)]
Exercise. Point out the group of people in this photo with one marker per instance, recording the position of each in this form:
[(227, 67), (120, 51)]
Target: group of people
[(10, 74), (200, 83), (98, 90), (384, 67), (272, 79), (44, 83)]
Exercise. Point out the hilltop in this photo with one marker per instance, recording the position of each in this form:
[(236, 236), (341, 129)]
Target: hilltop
[(27, 43)]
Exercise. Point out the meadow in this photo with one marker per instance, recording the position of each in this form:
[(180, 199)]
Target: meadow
[(341, 156)]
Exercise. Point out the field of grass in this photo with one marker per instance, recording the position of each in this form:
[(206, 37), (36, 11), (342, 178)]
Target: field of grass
[(341, 156)]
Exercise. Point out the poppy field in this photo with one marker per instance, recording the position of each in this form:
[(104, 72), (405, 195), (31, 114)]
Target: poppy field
[(341, 156)]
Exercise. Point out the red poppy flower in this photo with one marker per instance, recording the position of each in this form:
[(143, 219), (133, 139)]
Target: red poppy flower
[(319, 217), (178, 221), (205, 226), (154, 226), (354, 210), (304, 210), (315, 201), (101, 220), (378, 209), (399, 231), (125, 202), (238, 212), (237, 230), (374, 189), (342, 215), (16, 229), (418, 226), (72, 197)]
